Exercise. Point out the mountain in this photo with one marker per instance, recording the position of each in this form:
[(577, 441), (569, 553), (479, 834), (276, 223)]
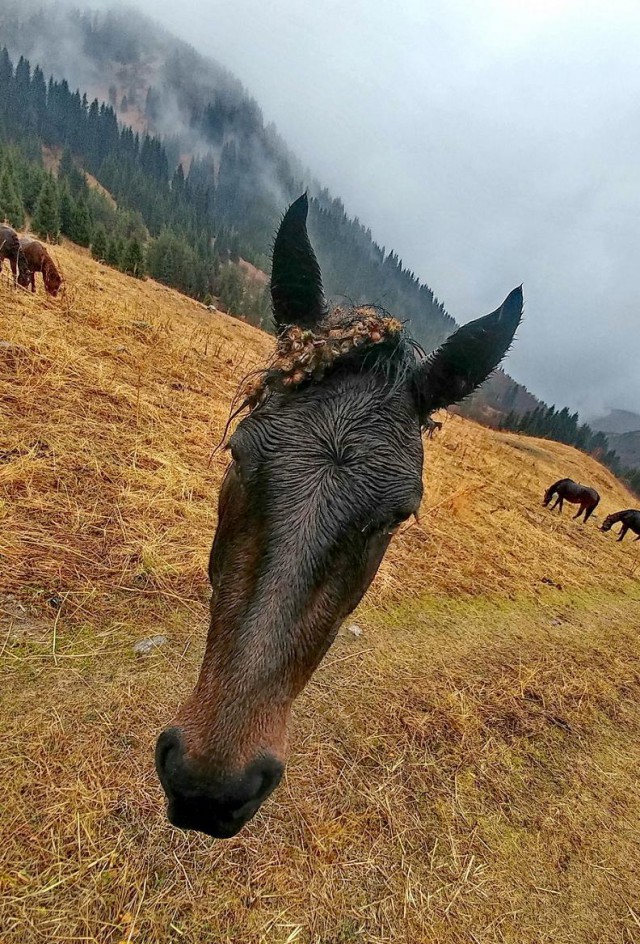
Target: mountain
[(207, 140), (617, 421)]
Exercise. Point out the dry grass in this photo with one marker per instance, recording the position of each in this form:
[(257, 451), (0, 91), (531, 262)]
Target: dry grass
[(466, 770)]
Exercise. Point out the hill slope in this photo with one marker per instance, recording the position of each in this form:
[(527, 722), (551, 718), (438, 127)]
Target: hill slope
[(466, 769)]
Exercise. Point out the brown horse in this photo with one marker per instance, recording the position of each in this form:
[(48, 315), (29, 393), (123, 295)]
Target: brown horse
[(568, 490), (9, 248), (35, 258), (630, 521), (432, 426), (325, 467)]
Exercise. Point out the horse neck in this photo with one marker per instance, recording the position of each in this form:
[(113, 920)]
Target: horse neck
[(617, 517)]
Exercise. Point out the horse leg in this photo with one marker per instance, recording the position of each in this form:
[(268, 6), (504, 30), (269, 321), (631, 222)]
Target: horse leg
[(590, 511), (579, 511), (33, 282), (14, 271), (561, 503), (623, 531)]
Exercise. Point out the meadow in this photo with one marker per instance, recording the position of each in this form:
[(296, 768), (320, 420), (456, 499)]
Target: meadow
[(463, 769)]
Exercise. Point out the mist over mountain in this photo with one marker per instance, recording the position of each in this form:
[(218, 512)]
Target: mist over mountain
[(212, 128), (242, 173)]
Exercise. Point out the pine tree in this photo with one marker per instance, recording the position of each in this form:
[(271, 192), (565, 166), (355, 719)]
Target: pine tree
[(133, 259), (82, 225), (11, 206), (67, 211), (46, 219), (114, 252), (99, 244)]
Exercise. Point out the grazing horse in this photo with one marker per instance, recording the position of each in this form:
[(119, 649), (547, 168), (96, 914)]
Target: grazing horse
[(630, 521), (325, 466), (432, 426), (35, 258), (9, 248), (568, 490)]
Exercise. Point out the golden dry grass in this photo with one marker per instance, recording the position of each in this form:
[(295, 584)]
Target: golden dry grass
[(466, 770)]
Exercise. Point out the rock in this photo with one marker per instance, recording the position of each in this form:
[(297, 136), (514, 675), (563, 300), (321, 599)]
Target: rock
[(145, 646), (354, 629)]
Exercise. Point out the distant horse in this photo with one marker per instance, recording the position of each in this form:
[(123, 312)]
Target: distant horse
[(35, 258), (9, 248), (568, 490), (432, 426), (630, 521)]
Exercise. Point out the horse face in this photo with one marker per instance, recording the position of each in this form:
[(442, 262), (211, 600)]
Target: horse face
[(321, 478), (52, 283), (607, 524)]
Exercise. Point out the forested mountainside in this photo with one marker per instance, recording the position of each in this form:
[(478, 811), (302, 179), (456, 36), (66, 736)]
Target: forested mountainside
[(176, 138)]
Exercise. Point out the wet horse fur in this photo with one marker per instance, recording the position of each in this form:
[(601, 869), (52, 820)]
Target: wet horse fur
[(630, 520), (322, 473), (9, 249), (568, 490), (35, 258)]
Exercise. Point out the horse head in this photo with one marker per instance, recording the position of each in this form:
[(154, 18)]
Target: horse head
[(324, 468)]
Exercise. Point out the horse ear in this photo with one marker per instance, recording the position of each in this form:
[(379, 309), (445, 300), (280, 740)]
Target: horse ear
[(467, 358), (296, 283)]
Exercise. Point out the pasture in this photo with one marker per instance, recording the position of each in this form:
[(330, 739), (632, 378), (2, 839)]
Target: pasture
[(463, 770)]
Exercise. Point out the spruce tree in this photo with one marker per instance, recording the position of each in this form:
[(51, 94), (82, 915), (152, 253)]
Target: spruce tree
[(133, 259), (82, 225), (11, 207), (114, 252), (46, 219), (67, 211), (99, 244)]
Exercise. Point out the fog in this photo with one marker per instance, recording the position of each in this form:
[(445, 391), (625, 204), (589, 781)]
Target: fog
[(488, 143)]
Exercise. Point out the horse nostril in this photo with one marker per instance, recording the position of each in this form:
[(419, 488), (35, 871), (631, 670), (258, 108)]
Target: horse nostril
[(169, 752)]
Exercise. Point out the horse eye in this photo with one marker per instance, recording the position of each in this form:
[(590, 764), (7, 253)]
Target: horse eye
[(394, 522)]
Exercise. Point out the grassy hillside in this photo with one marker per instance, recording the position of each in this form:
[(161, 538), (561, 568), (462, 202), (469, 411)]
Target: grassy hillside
[(465, 770)]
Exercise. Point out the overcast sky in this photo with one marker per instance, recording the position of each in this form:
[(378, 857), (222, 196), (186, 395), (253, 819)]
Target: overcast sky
[(489, 143)]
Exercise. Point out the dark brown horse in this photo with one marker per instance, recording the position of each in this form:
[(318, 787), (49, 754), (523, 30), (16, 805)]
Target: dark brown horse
[(325, 467), (432, 426), (630, 522), (568, 490), (9, 248), (35, 258)]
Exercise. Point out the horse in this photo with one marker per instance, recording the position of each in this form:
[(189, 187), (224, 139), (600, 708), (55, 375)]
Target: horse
[(630, 521), (326, 463), (568, 490), (9, 249), (432, 426), (35, 258)]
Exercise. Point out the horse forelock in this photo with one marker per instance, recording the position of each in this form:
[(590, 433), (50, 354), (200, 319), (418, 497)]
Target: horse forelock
[(350, 340)]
